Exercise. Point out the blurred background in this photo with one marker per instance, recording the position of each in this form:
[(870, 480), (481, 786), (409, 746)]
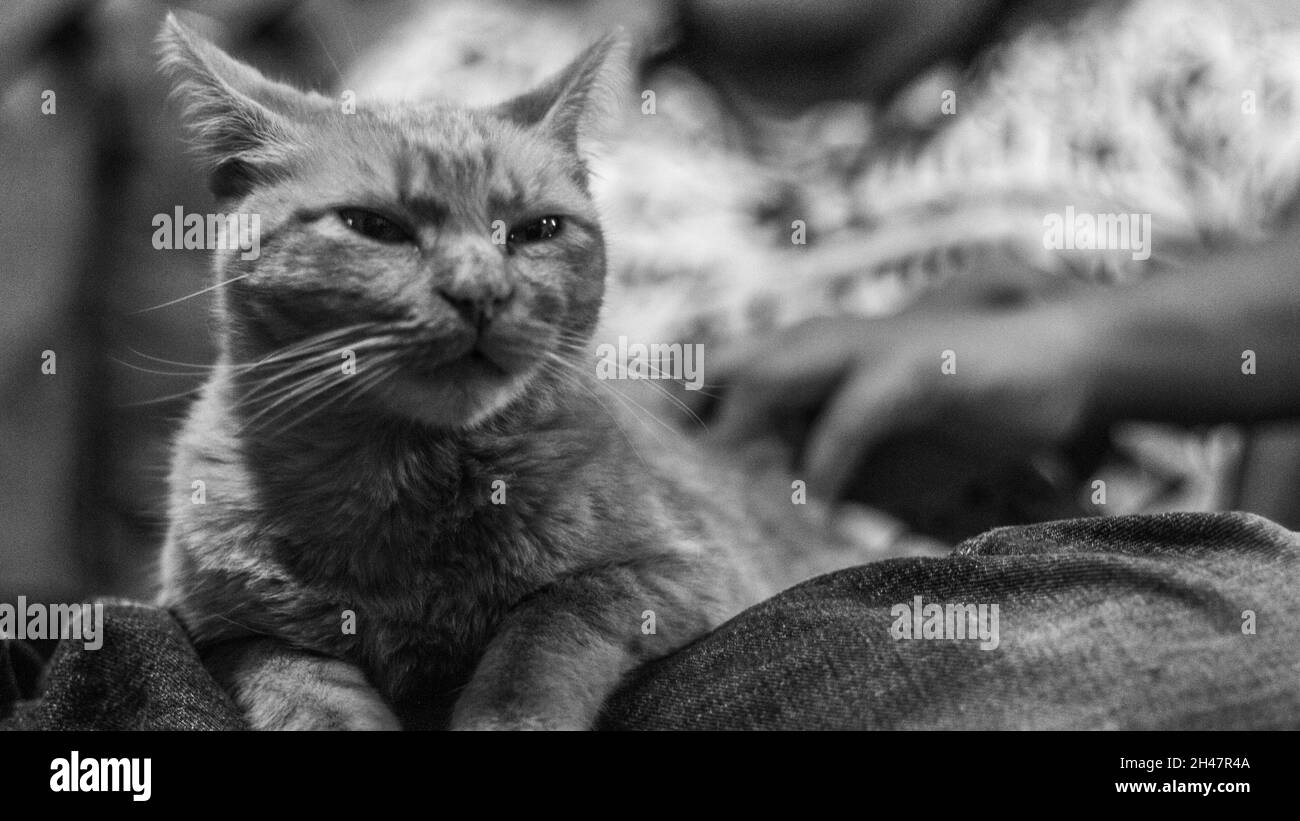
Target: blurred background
[(765, 112)]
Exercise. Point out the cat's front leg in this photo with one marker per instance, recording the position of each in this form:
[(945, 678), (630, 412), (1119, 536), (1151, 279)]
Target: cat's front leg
[(278, 687), (560, 653)]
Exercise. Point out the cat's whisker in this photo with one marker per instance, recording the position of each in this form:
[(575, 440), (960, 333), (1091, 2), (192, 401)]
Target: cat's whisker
[(265, 387), (319, 354), (282, 386), (317, 342), (627, 401), (242, 626), (660, 376), (199, 292), (358, 385), (667, 394), (202, 370), (153, 371), (301, 394), (171, 397), (366, 382), (324, 397), (583, 346), (572, 378), (608, 385), (197, 366), (324, 49), (317, 386)]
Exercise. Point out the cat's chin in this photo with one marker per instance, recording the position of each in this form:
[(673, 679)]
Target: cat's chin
[(457, 395)]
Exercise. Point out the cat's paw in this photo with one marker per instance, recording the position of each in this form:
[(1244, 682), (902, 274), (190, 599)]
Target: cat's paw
[(338, 712), (518, 723), (278, 688), (505, 714)]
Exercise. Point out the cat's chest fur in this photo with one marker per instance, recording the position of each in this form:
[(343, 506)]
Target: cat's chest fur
[(429, 569), (391, 546)]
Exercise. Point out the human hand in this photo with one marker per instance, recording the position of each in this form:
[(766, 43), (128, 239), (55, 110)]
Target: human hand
[(1005, 383)]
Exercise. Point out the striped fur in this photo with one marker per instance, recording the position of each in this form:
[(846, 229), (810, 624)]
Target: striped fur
[(353, 563)]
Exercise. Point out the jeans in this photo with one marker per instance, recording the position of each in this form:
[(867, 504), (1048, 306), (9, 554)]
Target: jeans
[(1184, 620)]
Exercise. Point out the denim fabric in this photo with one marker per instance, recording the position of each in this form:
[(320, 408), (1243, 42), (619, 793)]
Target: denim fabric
[(1126, 622), (146, 676)]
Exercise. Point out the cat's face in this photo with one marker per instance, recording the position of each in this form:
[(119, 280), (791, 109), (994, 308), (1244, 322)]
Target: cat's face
[(439, 260)]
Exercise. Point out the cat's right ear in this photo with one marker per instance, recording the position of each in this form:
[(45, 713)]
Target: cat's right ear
[(239, 120)]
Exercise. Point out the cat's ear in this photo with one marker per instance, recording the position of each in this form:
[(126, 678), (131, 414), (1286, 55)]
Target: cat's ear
[(241, 122), (576, 103)]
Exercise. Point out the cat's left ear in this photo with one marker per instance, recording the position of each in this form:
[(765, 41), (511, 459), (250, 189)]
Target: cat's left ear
[(578, 101)]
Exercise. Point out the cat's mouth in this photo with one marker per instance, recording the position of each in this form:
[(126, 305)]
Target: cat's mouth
[(469, 355), (458, 382), (477, 358), (475, 362)]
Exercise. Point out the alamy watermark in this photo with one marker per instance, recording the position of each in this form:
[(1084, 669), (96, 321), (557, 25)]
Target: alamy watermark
[(128, 775), (237, 231), (1098, 232), (946, 622), (72, 622), (637, 360)]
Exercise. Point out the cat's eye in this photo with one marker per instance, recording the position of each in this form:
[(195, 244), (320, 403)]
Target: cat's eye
[(372, 225), (542, 228)]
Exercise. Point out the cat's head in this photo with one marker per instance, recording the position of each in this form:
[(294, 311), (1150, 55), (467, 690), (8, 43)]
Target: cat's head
[(454, 254)]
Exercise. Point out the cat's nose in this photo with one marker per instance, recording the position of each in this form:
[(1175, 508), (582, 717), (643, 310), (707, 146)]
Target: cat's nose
[(477, 306)]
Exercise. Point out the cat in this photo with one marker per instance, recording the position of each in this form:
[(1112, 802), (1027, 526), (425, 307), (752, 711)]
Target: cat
[(417, 509)]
